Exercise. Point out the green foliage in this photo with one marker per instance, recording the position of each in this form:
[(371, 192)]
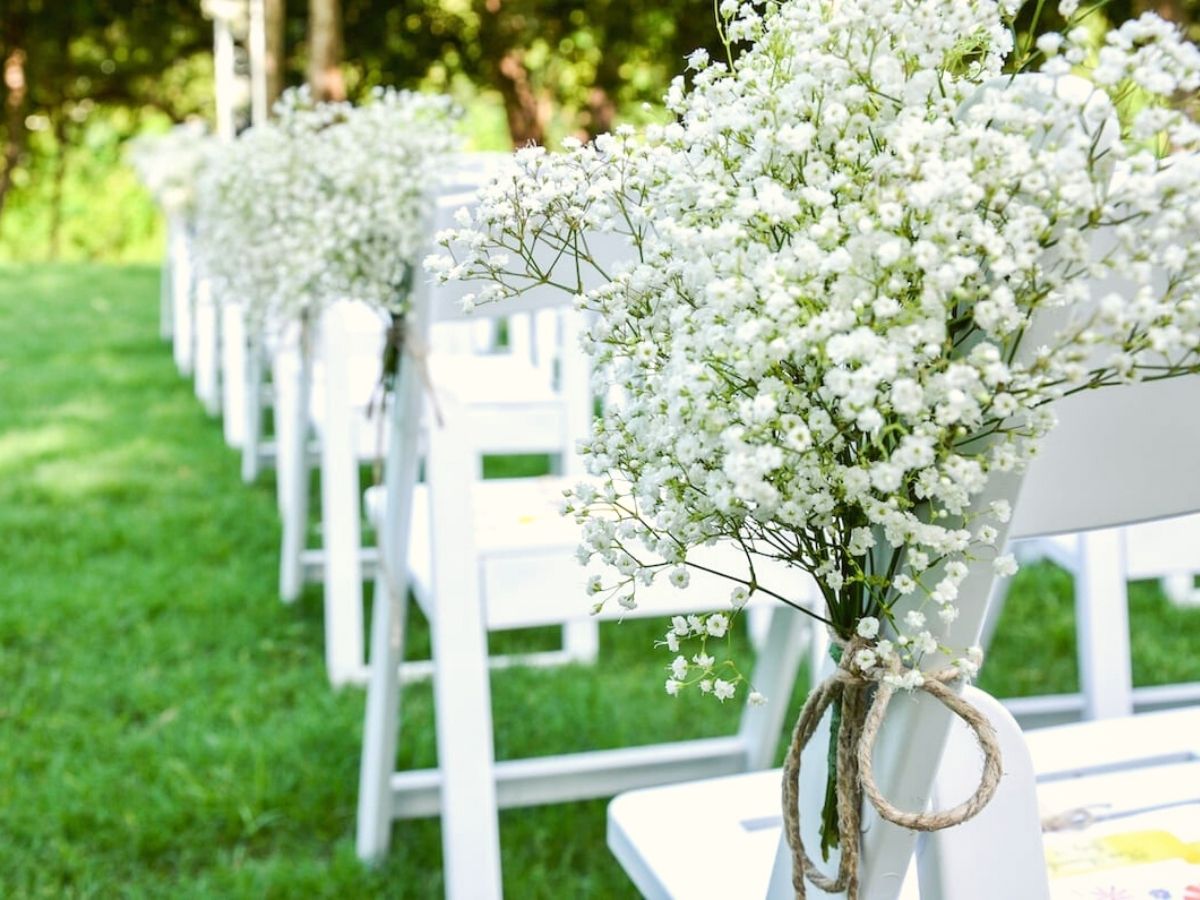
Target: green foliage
[(78, 201)]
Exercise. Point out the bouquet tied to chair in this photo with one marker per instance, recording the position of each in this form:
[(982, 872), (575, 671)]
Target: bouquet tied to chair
[(328, 201), (864, 262), (171, 164)]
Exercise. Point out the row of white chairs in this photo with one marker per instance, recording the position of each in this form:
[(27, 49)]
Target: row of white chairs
[(482, 556)]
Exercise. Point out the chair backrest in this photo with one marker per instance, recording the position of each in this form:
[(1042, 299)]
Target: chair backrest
[(1119, 456), (549, 539)]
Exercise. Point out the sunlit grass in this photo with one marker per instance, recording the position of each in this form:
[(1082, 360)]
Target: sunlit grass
[(166, 729)]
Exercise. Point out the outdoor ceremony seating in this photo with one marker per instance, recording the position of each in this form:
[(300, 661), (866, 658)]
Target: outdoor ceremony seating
[(1145, 472), (511, 396), (247, 356), (328, 403), (499, 555)]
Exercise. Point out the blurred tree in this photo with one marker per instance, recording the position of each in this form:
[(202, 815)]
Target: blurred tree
[(275, 19), (63, 59), (325, 50), (581, 60)]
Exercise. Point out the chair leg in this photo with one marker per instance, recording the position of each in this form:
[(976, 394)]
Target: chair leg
[(381, 728), (166, 307), (233, 374), (462, 693), (581, 641), (252, 394), (388, 621), (1102, 617), (774, 676), (208, 347), (294, 478), (341, 514), (181, 296)]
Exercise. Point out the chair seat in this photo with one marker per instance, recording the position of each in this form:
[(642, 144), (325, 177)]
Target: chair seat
[(530, 573), (1114, 766), (489, 383)]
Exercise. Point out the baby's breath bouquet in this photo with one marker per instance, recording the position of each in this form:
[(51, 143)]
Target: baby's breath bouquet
[(327, 202), (864, 261), (170, 164)]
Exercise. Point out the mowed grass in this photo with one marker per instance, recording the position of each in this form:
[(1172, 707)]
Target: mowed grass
[(166, 729)]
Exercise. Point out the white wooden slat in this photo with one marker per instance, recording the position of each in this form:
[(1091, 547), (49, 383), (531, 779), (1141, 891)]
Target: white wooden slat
[(462, 695), (1102, 626), (382, 719), (1157, 549), (1118, 456), (293, 380), (233, 371), (181, 294), (341, 513), (207, 358), (578, 776), (254, 449), (608, 250)]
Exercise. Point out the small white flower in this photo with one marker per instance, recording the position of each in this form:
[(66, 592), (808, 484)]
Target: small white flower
[(716, 625), (1005, 566), (1049, 43), (679, 668), (868, 627), (723, 690)]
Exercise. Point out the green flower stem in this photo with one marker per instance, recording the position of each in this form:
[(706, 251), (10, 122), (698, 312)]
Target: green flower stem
[(830, 834)]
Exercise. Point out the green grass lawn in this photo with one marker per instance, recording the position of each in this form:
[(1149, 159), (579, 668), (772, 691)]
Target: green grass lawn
[(166, 729)]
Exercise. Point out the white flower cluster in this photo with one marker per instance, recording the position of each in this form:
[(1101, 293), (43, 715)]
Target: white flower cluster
[(329, 201), (170, 164), (862, 264)]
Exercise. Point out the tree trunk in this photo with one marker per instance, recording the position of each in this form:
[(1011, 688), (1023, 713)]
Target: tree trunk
[(14, 118), (325, 50), (526, 114), (60, 177), (274, 18)]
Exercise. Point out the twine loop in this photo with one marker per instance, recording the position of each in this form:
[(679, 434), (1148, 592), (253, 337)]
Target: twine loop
[(862, 714)]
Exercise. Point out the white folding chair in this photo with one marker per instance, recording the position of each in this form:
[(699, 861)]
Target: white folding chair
[(1146, 472), (350, 433), (499, 555), (325, 374)]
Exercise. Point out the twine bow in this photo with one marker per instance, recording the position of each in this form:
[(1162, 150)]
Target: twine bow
[(861, 718), (400, 343)]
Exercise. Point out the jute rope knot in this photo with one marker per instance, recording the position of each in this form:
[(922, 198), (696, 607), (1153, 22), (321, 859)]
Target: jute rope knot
[(862, 715)]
